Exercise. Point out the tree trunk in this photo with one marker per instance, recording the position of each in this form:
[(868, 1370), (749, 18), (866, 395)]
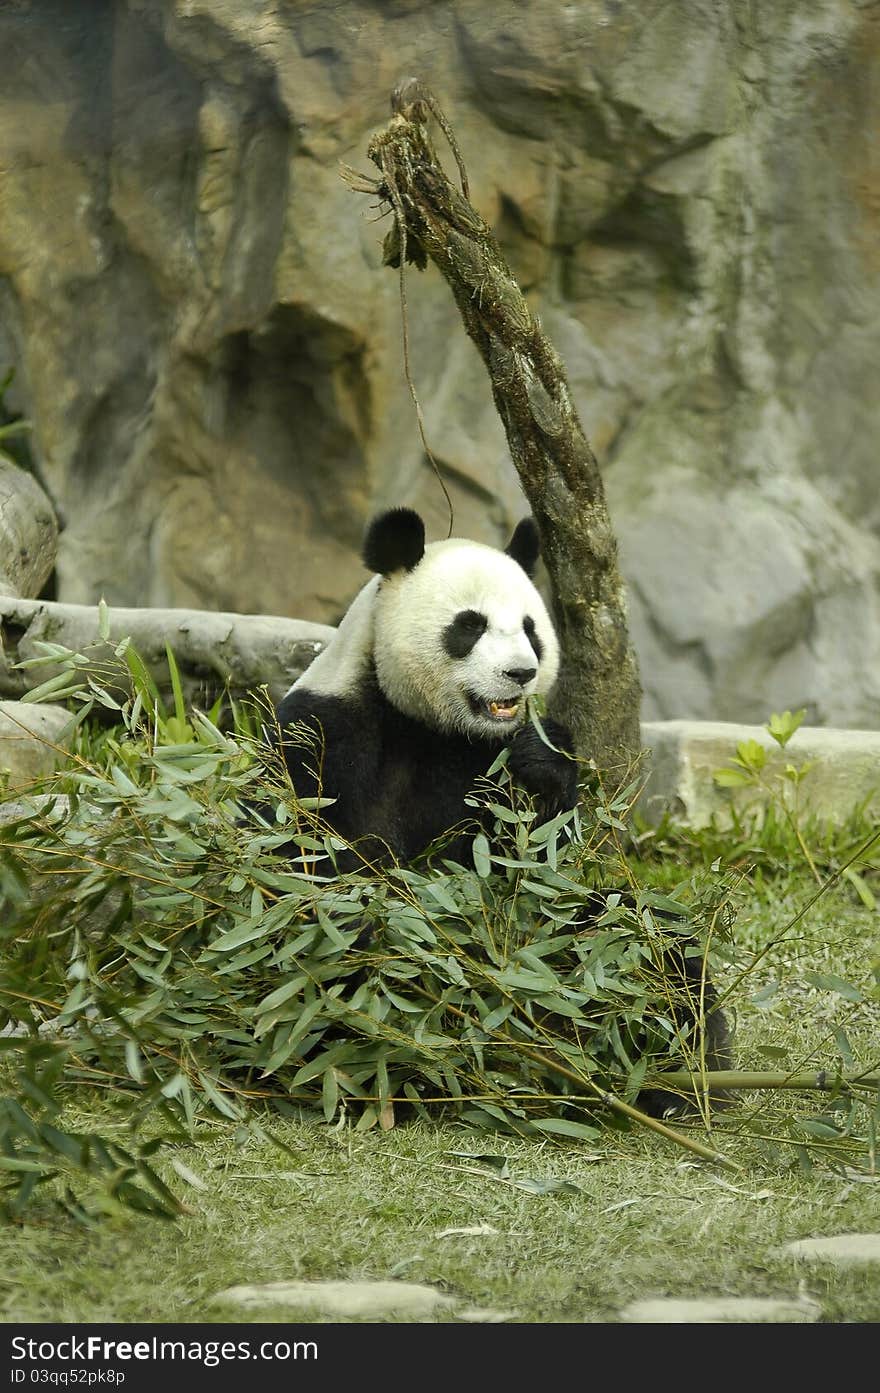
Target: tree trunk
[(599, 692)]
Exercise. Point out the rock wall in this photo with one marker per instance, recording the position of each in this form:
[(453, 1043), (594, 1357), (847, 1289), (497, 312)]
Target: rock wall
[(689, 191)]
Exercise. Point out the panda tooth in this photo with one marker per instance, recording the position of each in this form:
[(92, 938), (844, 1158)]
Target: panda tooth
[(504, 709)]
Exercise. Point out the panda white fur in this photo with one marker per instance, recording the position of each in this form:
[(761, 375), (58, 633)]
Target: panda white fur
[(426, 677)]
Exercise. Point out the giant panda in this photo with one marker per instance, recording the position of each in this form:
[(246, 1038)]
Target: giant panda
[(426, 678)]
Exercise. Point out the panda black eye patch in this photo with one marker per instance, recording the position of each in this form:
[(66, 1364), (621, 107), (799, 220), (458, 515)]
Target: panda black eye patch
[(531, 635), (460, 636)]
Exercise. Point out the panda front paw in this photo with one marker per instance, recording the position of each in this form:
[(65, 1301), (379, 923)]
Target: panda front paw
[(548, 773)]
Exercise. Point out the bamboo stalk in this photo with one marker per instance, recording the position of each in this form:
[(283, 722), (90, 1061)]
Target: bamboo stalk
[(751, 1080)]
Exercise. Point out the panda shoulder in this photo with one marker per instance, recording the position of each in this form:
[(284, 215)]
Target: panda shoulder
[(344, 667)]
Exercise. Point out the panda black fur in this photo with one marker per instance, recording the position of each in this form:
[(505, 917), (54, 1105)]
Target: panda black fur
[(425, 679)]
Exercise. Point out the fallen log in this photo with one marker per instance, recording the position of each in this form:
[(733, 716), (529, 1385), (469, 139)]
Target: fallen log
[(213, 651)]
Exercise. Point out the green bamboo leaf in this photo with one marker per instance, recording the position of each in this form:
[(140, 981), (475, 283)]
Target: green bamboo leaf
[(303, 1021), (482, 862), (334, 1055), (520, 979), (143, 680), (410, 1008), (281, 994), (534, 707), (843, 1044), (124, 784), (830, 982), (537, 888), (564, 1127), (57, 687), (245, 932), (13, 428), (560, 1007), (329, 1094), (497, 1017), (224, 1105), (282, 1049), (65, 1144), (815, 1128), (765, 995), (865, 894), (437, 891), (176, 686)]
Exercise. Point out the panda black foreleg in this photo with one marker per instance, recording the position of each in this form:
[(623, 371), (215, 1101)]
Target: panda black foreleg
[(696, 1013), (549, 774), (692, 1005)]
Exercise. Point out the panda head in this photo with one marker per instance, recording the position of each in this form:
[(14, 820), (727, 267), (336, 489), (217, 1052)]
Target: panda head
[(461, 636)]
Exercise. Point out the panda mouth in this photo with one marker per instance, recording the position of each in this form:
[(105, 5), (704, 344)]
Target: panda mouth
[(500, 709)]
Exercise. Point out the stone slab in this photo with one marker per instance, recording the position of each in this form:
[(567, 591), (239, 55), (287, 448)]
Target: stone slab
[(684, 756), (345, 1300), (840, 1249), (721, 1310)]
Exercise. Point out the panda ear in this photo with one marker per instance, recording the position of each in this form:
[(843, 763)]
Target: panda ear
[(525, 545), (395, 541)]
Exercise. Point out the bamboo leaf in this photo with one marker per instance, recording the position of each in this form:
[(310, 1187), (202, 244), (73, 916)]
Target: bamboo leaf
[(830, 982)]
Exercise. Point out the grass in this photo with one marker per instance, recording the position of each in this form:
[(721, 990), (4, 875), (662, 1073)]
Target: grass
[(555, 1230), (642, 1224), (644, 1220)]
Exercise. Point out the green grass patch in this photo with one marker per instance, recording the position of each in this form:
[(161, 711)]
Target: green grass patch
[(577, 1230)]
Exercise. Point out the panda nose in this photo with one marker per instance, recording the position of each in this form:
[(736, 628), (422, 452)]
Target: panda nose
[(522, 675)]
